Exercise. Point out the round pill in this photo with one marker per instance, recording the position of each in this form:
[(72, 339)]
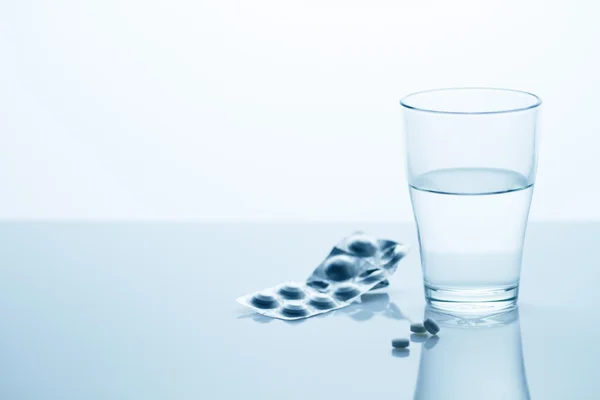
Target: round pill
[(319, 285), (368, 272), (362, 245), (321, 301), (340, 268), (346, 292), (373, 277), (294, 310), (417, 327), (291, 290), (400, 343), (264, 300), (431, 326), (382, 284)]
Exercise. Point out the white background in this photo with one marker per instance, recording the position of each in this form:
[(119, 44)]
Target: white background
[(147, 109)]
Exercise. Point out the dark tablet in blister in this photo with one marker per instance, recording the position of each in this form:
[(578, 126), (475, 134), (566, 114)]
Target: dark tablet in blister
[(362, 245), (291, 291), (321, 286), (340, 268), (321, 302), (294, 310), (346, 292), (264, 300)]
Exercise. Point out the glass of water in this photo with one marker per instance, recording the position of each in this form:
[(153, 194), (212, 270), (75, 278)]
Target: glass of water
[(471, 163)]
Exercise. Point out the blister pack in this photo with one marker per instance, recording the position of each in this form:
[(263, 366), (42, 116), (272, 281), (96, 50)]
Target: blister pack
[(357, 264)]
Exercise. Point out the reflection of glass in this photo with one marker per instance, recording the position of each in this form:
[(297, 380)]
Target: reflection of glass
[(471, 163), (474, 358)]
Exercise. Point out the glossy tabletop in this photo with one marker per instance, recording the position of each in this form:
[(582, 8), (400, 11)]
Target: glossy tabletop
[(148, 311)]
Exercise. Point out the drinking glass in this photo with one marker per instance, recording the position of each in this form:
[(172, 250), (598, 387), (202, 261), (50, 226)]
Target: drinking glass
[(471, 163)]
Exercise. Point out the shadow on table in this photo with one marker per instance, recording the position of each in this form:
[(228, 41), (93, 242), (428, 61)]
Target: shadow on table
[(370, 305)]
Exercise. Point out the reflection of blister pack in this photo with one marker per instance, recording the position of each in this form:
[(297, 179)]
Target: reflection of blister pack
[(356, 265)]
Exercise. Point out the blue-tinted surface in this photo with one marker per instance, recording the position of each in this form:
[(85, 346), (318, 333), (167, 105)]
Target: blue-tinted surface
[(148, 311)]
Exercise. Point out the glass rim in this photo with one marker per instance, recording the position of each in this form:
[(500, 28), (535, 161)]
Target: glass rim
[(536, 103)]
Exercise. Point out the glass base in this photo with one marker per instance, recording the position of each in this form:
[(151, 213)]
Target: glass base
[(488, 300)]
